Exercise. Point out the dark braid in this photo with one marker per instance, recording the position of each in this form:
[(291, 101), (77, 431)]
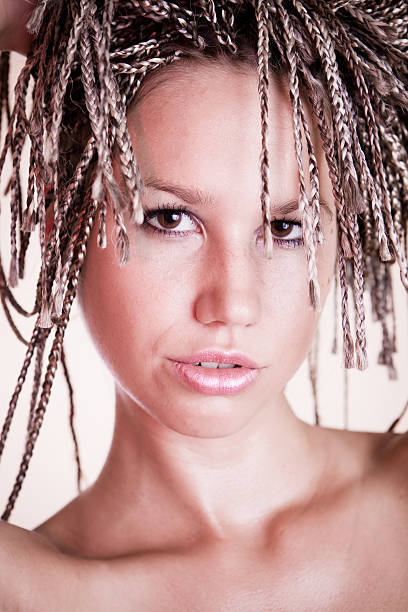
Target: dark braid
[(40, 347), (20, 382), (91, 59), (71, 418), (37, 417)]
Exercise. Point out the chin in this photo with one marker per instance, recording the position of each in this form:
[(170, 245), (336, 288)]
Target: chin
[(206, 416)]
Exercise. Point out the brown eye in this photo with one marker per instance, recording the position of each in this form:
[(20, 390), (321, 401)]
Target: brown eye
[(169, 219), (281, 228)]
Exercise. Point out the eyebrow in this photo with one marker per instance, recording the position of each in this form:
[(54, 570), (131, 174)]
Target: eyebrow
[(194, 196), (190, 195)]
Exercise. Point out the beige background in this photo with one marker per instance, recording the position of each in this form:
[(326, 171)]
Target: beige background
[(374, 401)]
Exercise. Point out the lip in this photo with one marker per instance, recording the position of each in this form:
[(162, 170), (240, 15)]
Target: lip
[(227, 381)]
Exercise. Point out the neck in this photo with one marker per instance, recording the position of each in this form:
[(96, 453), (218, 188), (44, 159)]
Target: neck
[(222, 488)]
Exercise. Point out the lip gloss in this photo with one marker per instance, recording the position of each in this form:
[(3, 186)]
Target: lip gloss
[(214, 381)]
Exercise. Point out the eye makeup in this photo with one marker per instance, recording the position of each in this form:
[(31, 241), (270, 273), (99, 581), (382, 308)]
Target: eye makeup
[(168, 213), (286, 232)]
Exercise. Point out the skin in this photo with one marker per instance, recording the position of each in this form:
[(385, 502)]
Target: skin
[(222, 502)]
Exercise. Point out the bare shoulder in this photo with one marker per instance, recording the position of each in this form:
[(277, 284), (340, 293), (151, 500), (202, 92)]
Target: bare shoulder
[(385, 510), (391, 465), (14, 538), (35, 575), (381, 458), (371, 518), (379, 480), (384, 478), (20, 552)]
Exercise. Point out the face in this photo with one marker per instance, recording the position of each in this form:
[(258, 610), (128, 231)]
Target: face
[(198, 280)]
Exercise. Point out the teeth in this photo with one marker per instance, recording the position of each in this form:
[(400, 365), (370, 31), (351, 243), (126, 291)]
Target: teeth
[(214, 365)]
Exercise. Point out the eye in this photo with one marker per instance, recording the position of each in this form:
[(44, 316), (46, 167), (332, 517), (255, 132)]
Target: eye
[(169, 220), (285, 232), (284, 228)]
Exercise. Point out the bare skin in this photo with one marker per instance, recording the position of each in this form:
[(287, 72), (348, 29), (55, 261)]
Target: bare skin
[(345, 550), (216, 502)]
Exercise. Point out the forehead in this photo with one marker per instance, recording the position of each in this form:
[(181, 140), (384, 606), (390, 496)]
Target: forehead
[(201, 122)]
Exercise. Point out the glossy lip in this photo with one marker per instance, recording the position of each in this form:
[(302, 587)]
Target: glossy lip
[(227, 381)]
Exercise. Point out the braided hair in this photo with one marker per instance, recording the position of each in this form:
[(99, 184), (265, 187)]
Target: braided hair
[(90, 60)]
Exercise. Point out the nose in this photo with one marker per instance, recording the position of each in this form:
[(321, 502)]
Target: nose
[(228, 292)]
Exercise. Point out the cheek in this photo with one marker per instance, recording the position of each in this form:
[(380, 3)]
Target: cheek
[(129, 309), (290, 320)]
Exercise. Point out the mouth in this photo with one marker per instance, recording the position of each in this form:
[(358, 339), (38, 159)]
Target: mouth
[(215, 373), (212, 359), (215, 365)]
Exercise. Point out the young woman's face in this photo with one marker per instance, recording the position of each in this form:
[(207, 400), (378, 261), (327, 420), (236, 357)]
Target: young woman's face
[(197, 279)]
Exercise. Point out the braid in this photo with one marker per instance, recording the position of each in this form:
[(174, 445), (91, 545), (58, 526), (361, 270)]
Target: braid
[(358, 281), (17, 391), (73, 187), (37, 417), (71, 419), (345, 251), (263, 89), (102, 46), (115, 106), (4, 84), (310, 220), (325, 48), (40, 347), (16, 143), (348, 344), (58, 97)]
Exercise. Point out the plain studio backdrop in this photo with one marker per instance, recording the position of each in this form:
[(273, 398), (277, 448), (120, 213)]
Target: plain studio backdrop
[(374, 401)]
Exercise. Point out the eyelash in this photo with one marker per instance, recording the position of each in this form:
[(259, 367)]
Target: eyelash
[(287, 243), (149, 214), (164, 208)]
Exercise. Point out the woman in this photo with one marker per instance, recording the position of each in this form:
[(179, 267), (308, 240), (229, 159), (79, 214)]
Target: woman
[(255, 158)]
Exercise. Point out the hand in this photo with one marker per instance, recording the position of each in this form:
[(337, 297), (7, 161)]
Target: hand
[(14, 15)]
